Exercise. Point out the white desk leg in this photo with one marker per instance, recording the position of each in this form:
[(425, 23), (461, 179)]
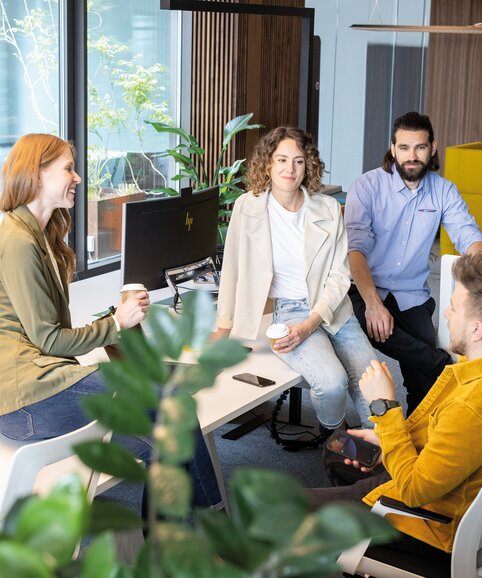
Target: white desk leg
[(211, 445)]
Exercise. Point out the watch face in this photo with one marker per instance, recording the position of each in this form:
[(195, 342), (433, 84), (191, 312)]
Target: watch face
[(378, 407)]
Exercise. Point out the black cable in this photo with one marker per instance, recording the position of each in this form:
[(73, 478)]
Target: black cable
[(287, 443)]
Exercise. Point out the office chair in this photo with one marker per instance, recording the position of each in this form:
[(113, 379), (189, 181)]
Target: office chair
[(379, 562), (37, 465)]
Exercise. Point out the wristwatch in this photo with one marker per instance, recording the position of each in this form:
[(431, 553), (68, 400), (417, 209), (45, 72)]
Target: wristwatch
[(380, 407)]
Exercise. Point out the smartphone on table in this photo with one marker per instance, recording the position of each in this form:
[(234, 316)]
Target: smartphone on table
[(348, 446), (254, 379)]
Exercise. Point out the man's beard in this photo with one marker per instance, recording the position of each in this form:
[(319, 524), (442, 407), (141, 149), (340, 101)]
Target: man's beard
[(459, 347), (413, 175)]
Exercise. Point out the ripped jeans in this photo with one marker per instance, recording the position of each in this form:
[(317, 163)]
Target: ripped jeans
[(331, 364)]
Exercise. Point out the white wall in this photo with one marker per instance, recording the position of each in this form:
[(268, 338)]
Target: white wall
[(343, 73), (91, 296)]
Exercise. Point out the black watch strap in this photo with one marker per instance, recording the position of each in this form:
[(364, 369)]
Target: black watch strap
[(380, 407)]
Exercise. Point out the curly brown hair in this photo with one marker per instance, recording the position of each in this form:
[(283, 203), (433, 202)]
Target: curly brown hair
[(258, 171), (20, 178)]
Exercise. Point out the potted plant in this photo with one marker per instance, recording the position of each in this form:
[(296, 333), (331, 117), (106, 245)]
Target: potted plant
[(190, 156), (270, 533)]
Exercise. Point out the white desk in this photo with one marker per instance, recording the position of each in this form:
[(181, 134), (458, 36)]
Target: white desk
[(228, 398)]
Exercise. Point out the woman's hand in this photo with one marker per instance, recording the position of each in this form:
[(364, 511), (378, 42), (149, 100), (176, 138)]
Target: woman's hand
[(369, 436), (298, 333), (133, 310), (377, 382), (220, 333)]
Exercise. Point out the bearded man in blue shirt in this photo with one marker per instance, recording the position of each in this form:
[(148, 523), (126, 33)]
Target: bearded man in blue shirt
[(392, 216)]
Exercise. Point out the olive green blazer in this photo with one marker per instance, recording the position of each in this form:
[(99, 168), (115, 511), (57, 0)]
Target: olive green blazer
[(37, 342)]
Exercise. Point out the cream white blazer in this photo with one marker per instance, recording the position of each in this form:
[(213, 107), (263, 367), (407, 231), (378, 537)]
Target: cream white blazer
[(248, 264)]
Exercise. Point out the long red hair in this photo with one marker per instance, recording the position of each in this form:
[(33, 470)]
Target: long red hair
[(20, 184)]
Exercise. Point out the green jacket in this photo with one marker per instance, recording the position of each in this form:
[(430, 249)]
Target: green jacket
[(37, 342)]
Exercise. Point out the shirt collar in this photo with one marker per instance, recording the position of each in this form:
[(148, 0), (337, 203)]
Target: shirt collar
[(399, 186), (467, 371)]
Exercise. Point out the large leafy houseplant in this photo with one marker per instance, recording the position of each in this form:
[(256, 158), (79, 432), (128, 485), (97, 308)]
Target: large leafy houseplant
[(189, 154), (270, 533)]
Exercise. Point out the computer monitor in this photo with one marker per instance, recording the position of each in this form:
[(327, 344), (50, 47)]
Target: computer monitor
[(164, 233)]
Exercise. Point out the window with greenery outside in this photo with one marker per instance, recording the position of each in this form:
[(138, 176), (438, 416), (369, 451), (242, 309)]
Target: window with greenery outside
[(129, 51)]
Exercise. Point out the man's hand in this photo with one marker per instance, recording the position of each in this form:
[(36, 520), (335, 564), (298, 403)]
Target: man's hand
[(377, 382), (379, 322), (369, 436)]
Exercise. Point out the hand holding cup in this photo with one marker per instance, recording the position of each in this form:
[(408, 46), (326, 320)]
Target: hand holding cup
[(133, 305)]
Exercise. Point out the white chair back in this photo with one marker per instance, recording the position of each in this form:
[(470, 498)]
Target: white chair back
[(447, 285), (467, 550), (35, 466)]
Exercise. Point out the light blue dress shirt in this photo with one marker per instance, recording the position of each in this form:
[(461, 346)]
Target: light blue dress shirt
[(395, 227)]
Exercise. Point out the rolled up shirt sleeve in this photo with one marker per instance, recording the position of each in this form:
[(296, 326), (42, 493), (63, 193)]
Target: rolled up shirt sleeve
[(358, 219)]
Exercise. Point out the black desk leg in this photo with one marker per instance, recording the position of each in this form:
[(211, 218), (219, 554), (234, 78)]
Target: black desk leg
[(295, 406)]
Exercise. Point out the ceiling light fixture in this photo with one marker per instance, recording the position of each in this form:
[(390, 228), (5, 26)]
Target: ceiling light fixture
[(473, 29)]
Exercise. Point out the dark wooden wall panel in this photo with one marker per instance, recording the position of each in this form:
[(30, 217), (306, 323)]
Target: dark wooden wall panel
[(243, 64), (454, 76)]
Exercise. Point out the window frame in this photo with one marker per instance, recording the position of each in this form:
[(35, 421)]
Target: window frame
[(73, 72)]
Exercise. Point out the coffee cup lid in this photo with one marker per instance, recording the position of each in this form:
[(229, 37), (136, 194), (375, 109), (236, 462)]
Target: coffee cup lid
[(277, 330), (133, 287)]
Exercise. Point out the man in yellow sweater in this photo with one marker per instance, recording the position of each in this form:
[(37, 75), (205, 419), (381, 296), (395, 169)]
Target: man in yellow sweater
[(433, 459)]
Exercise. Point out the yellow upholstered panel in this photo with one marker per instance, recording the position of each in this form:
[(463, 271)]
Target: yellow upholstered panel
[(463, 166)]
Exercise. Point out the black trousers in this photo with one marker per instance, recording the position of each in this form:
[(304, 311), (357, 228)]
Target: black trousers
[(434, 557), (412, 344)]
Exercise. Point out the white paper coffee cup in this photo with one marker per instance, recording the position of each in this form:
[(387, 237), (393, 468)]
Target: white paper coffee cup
[(276, 331), (131, 289)]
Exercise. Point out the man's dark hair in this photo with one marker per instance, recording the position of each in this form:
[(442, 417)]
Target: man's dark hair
[(468, 271), (411, 121)]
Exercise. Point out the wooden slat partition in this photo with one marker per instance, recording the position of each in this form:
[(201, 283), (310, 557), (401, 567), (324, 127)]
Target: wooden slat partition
[(213, 81), (454, 76), (243, 64)]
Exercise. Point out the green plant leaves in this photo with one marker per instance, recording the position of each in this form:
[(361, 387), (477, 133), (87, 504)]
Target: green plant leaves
[(100, 558), (131, 382), (197, 318), (118, 414), (107, 515), (236, 125), (111, 459), (170, 490), (52, 526), (20, 561), (221, 354), (179, 411), (165, 330), (138, 351), (175, 445)]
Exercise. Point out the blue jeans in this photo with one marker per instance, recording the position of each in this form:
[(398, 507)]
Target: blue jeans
[(332, 365), (63, 413)]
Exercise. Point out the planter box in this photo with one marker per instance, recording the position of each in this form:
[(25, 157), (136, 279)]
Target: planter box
[(104, 224)]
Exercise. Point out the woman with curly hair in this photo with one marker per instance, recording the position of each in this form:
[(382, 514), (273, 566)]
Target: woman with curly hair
[(286, 241)]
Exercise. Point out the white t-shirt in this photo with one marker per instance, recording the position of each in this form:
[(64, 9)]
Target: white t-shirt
[(288, 243)]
